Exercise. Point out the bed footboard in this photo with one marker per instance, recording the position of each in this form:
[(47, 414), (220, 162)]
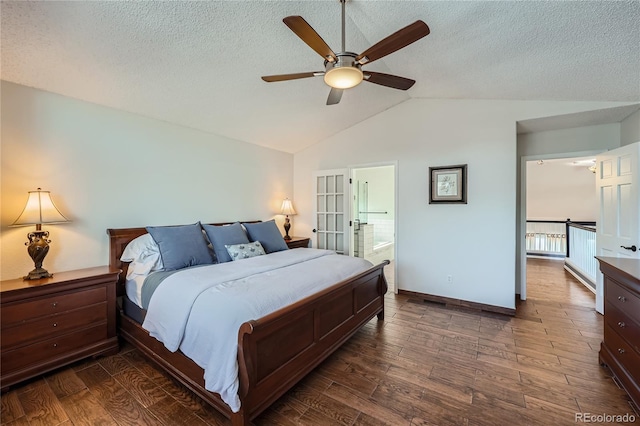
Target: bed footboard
[(277, 351)]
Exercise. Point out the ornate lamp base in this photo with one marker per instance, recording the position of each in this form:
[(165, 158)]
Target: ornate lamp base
[(38, 247), (37, 274), (287, 226)]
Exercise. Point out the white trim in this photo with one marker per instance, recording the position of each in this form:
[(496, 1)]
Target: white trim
[(578, 277)]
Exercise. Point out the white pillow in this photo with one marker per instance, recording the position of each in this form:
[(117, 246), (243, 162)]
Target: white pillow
[(144, 254), (138, 246)]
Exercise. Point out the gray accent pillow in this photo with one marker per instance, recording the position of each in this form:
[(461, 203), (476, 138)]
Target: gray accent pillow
[(220, 236), (245, 250), (181, 246), (268, 235)]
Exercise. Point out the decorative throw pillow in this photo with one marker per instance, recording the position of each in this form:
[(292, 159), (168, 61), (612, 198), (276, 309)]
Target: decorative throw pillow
[(220, 236), (268, 235), (181, 246), (245, 250)]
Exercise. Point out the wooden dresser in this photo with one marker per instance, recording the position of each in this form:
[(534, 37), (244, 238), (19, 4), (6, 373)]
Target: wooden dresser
[(620, 350), (51, 322)]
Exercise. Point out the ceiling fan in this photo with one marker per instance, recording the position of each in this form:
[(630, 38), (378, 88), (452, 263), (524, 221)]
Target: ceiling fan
[(343, 70)]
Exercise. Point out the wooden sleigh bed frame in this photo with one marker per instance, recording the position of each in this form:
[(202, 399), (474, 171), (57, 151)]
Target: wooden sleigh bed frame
[(274, 352)]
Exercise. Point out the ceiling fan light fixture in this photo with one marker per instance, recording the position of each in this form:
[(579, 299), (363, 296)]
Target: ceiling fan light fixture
[(344, 77), (343, 69)]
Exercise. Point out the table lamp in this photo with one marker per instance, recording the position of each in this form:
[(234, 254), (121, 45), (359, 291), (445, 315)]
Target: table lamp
[(287, 209), (39, 210)]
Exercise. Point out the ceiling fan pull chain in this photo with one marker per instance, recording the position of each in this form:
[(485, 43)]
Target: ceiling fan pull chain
[(344, 49)]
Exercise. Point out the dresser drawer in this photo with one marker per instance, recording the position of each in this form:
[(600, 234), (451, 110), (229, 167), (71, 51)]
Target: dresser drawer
[(627, 328), (53, 325), (622, 351), (622, 299), (51, 349), (19, 312)]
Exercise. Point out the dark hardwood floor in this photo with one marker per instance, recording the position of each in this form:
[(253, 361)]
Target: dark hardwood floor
[(423, 365)]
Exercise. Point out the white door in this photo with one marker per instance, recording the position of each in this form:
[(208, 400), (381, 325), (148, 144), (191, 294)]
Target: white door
[(331, 207), (618, 230)]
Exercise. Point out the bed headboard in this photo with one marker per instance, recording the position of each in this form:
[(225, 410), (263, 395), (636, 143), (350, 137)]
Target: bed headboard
[(118, 240)]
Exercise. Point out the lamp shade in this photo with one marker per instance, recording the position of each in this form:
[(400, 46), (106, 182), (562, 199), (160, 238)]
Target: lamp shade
[(287, 207), (39, 209)]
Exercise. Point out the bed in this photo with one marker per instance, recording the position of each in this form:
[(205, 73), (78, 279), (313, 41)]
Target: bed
[(275, 351)]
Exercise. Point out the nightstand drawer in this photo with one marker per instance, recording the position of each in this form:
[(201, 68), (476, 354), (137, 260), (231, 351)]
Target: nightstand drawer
[(20, 312), (51, 349), (53, 325), (623, 352), (624, 325), (622, 299)]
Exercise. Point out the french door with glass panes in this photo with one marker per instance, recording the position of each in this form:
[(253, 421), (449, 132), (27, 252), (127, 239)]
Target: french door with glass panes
[(331, 230)]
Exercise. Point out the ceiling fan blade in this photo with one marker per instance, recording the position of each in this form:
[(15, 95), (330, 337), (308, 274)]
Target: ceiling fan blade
[(298, 25), (284, 77), (395, 41), (334, 96), (388, 80)]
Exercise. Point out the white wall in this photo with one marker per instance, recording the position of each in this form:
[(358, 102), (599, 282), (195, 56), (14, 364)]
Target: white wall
[(111, 169), (630, 129), (475, 243), (557, 190), (578, 139)]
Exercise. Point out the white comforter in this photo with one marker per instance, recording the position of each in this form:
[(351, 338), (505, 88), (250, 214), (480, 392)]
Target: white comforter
[(200, 310)]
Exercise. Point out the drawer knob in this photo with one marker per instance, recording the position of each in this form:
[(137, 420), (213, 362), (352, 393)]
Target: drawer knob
[(620, 351), (621, 324), (54, 304), (55, 324), (622, 298), (55, 345)]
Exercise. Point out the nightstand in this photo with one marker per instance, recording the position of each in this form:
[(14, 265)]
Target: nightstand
[(55, 321), (298, 242)]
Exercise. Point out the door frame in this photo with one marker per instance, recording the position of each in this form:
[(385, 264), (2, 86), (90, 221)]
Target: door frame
[(352, 168), (521, 243)]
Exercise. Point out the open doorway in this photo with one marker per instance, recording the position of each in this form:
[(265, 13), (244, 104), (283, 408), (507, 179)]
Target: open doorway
[(554, 188), (373, 213)]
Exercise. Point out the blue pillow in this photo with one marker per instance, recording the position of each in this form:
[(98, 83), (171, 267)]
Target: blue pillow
[(225, 235), (181, 246), (268, 235)]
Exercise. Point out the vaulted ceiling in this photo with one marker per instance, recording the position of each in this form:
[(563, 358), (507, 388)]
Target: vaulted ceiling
[(198, 64)]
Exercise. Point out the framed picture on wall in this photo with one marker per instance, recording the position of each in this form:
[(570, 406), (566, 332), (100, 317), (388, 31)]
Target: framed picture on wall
[(448, 184)]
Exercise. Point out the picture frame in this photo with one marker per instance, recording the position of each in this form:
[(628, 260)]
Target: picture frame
[(448, 184)]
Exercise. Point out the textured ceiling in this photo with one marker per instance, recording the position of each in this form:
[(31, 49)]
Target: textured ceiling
[(199, 64)]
